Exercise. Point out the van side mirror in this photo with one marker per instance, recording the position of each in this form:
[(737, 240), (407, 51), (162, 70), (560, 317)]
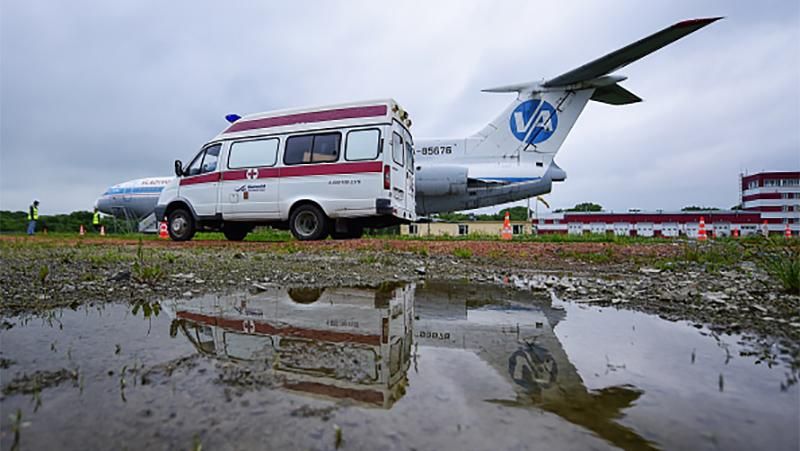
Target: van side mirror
[(178, 168)]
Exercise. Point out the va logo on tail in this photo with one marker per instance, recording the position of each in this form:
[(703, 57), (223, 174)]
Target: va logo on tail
[(533, 121)]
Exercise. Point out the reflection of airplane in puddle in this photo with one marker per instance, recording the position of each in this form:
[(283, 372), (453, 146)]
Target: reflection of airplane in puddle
[(352, 343), (356, 344), (517, 339)]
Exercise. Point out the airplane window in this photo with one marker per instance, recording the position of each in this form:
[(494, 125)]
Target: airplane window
[(397, 149), (362, 145)]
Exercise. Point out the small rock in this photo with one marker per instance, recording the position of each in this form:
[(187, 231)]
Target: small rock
[(758, 308), (258, 288), (120, 276), (649, 270), (239, 255), (187, 294), (421, 270)]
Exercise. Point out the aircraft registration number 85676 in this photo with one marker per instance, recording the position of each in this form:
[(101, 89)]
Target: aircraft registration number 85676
[(437, 150)]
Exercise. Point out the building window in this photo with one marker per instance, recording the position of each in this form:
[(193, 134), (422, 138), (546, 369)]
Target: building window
[(517, 229), (753, 184), (413, 229), (463, 229)]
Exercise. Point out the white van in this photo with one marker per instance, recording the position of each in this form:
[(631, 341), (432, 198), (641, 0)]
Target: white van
[(318, 172)]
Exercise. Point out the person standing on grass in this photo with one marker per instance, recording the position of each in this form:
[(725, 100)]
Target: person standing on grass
[(33, 216), (96, 220)]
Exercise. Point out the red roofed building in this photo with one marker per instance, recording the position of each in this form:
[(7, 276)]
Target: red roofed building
[(660, 223), (776, 196)]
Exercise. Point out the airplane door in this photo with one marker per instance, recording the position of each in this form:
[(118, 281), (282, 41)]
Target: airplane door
[(200, 185), (250, 182)]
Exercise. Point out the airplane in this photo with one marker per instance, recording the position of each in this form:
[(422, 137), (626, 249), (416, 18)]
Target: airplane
[(513, 157)]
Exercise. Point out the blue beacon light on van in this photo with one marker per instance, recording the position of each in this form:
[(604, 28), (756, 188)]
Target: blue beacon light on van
[(232, 118)]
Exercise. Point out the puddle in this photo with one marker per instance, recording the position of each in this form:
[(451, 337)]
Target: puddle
[(428, 366)]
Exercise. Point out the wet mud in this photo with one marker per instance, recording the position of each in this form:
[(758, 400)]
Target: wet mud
[(422, 364)]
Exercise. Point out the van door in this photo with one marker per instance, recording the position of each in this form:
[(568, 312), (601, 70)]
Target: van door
[(410, 201), (397, 163), (250, 183), (200, 184)]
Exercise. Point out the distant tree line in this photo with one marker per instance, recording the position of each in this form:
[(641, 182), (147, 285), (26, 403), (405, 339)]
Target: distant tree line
[(17, 221)]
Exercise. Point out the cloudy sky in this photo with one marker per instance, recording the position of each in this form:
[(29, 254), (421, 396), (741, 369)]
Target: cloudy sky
[(96, 93)]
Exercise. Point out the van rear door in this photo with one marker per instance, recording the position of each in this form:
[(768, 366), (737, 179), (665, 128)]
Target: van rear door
[(396, 162)]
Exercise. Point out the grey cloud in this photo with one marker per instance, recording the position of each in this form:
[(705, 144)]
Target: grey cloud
[(95, 93)]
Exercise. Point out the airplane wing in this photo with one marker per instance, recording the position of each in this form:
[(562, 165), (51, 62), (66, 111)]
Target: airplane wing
[(630, 53)]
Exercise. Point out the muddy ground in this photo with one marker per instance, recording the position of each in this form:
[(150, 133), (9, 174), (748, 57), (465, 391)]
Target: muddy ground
[(723, 285)]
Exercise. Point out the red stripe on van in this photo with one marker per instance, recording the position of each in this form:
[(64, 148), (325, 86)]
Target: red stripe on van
[(314, 116), (242, 174), (264, 328), (205, 178), (329, 169), (292, 171)]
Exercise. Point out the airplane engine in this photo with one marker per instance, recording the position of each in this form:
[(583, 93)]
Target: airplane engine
[(441, 180)]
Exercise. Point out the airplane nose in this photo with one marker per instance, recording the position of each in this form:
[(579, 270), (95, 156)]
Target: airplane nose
[(103, 205)]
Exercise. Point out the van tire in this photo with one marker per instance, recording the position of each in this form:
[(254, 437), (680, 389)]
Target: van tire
[(308, 222), (180, 225), (235, 232)]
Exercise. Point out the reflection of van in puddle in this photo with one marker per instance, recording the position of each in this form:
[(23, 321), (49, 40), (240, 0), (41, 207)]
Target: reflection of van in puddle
[(335, 342)]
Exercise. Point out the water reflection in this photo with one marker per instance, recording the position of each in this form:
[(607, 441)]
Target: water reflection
[(337, 342), (358, 344)]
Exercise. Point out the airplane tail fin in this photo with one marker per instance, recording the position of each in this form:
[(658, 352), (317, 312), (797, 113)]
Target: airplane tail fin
[(544, 112)]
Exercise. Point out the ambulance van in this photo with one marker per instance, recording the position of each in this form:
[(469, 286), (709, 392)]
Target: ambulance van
[(318, 172)]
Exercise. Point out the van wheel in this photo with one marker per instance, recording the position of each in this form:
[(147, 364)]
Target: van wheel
[(235, 232), (353, 232), (308, 222), (180, 225)]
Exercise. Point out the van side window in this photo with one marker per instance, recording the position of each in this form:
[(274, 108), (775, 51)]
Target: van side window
[(409, 156), (397, 149), (247, 154), (205, 161), (323, 147), (211, 158), (362, 145)]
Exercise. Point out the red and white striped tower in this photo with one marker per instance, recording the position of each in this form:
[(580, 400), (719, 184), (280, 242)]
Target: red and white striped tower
[(701, 230)]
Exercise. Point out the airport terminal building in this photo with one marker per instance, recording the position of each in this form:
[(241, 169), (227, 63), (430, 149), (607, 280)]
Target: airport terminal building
[(775, 196)]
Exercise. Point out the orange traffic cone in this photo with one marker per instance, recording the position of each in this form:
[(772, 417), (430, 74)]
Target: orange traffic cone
[(506, 234), (82, 231), (162, 230), (102, 230), (735, 232), (701, 231), (788, 232)]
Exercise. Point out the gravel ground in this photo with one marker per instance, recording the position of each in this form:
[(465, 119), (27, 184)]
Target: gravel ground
[(735, 296)]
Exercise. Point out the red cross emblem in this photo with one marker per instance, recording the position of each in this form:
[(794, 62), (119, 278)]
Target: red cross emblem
[(252, 174), (249, 326)]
